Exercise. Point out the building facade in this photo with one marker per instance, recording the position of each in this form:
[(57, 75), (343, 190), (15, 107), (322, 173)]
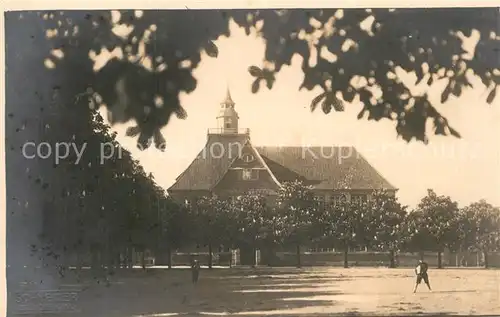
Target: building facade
[(230, 165)]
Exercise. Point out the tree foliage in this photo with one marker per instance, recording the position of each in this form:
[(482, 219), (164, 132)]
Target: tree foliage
[(212, 220), (386, 219), (480, 226), (435, 222), (298, 212), (158, 50), (253, 217)]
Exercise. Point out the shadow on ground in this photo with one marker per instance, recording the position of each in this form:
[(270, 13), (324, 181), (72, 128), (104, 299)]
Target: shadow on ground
[(239, 292), (172, 292)]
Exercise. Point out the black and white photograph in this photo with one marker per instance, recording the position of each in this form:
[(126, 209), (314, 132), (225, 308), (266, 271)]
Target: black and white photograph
[(251, 159)]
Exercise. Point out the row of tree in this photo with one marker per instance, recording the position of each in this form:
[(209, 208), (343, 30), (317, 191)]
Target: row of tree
[(106, 209), (109, 210), (297, 218)]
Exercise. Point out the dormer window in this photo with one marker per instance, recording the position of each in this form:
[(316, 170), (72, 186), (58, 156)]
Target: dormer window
[(247, 158)]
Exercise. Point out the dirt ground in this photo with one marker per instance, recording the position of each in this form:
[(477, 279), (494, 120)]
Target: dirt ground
[(293, 292)]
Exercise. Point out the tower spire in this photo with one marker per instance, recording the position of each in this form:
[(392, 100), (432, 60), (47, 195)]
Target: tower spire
[(228, 101), (227, 119)]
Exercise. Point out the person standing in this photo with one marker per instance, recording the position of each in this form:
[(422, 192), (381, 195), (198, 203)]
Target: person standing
[(421, 272), (195, 271)]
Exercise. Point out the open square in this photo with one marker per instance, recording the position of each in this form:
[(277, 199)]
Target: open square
[(297, 292)]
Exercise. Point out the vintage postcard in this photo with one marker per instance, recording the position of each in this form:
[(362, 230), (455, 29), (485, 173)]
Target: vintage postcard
[(251, 159)]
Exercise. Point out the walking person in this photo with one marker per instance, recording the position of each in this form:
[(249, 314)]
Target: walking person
[(421, 272), (195, 271)]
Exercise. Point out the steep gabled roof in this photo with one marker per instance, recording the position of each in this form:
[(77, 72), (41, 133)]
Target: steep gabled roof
[(324, 167), (211, 163)]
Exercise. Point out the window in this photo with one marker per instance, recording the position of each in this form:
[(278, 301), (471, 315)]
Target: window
[(358, 199), (338, 199), (313, 250), (320, 199), (248, 158), (250, 174)]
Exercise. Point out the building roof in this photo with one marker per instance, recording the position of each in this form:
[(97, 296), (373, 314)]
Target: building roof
[(211, 163), (331, 167), (326, 168)]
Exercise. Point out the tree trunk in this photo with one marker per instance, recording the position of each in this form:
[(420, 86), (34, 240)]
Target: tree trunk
[(392, 263), (119, 262), (79, 260), (130, 258), (143, 259), (346, 255), (94, 259), (270, 254), (440, 260), (169, 257), (210, 257), (486, 264), (254, 253), (299, 264)]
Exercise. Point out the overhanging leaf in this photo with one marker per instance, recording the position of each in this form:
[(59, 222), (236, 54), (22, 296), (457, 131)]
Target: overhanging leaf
[(446, 94), (256, 85), (338, 105), (317, 100), (269, 81), (255, 71), (491, 95), (454, 132), (133, 131), (181, 113), (361, 114), (159, 141), (212, 49), (326, 106), (430, 80)]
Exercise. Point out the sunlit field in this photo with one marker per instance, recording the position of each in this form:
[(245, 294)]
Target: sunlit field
[(291, 292)]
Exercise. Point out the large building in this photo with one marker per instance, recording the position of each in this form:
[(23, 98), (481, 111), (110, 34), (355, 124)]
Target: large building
[(230, 164)]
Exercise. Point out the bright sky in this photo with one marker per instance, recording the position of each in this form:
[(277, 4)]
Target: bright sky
[(467, 169)]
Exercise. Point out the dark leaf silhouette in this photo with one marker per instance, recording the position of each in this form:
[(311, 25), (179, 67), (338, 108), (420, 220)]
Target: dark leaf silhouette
[(133, 131), (454, 132), (159, 141), (317, 100), (173, 42), (446, 94), (269, 78), (256, 85), (181, 113), (430, 81), (326, 106), (338, 105), (361, 113), (212, 49), (492, 95), (255, 71)]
